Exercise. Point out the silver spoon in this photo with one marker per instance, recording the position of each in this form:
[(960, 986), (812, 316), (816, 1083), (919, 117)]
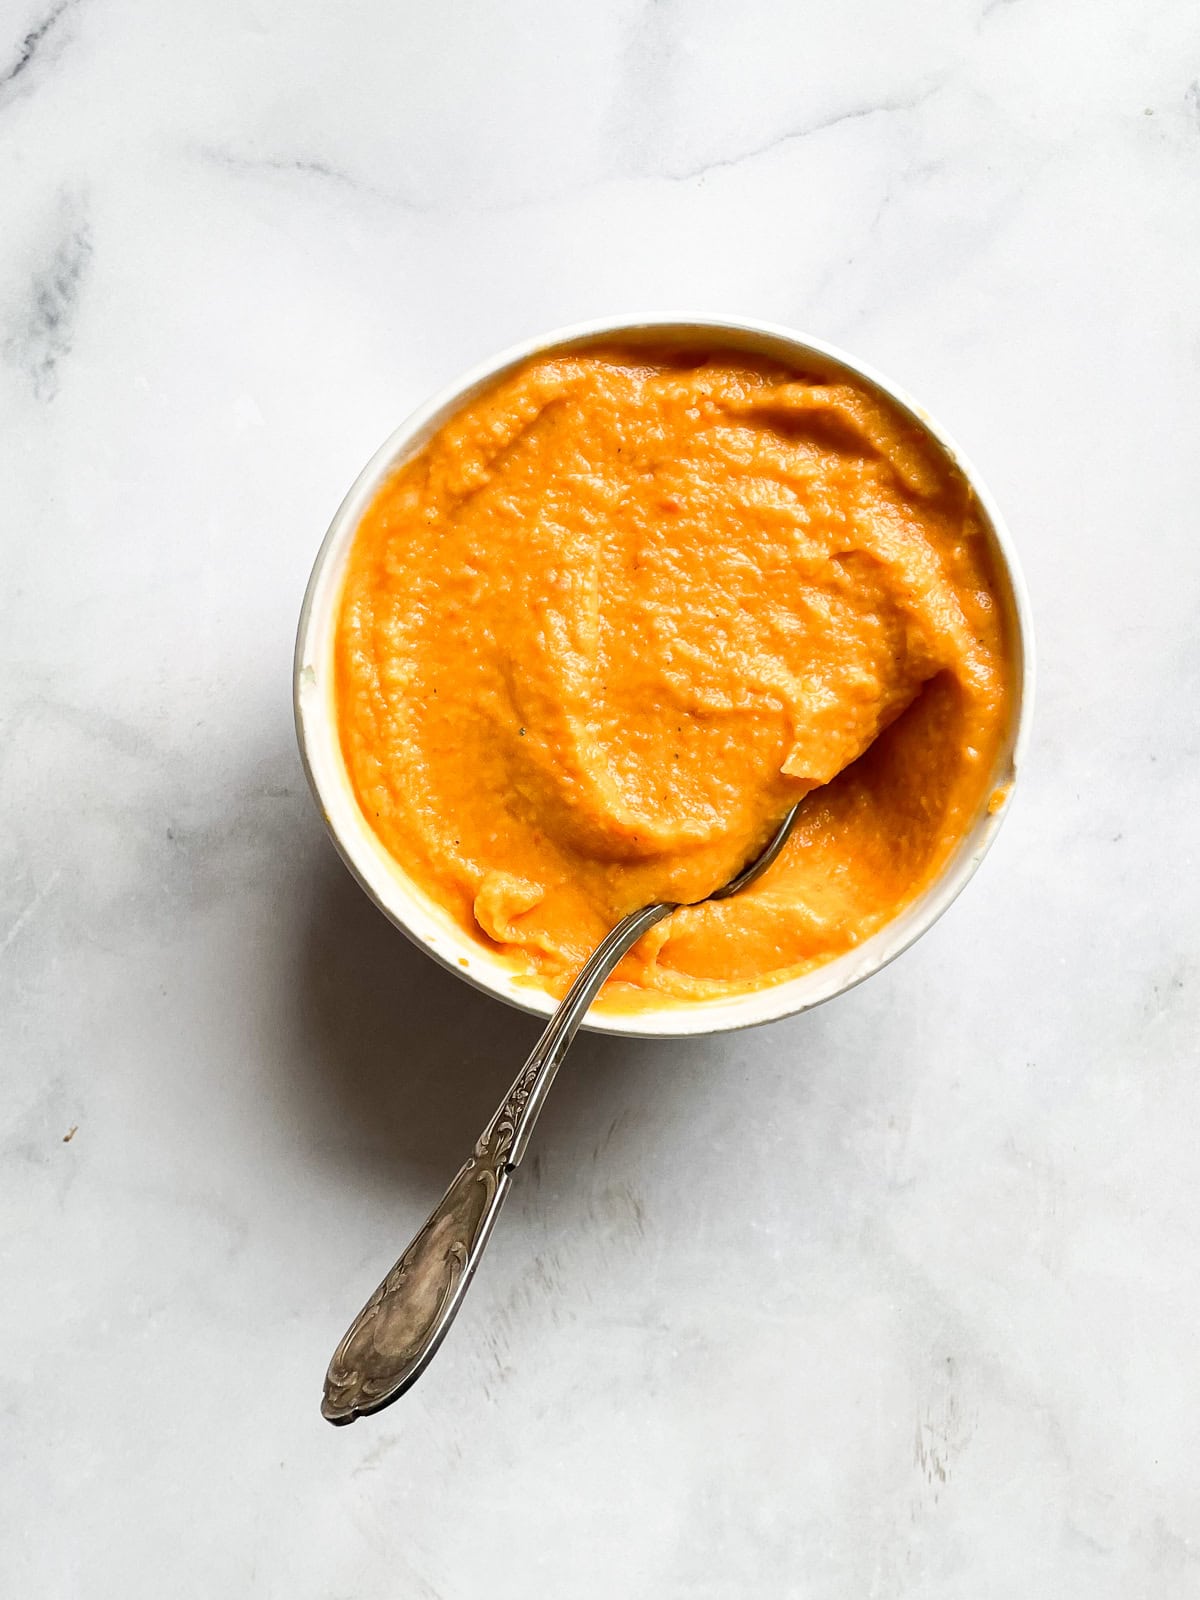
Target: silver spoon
[(397, 1333)]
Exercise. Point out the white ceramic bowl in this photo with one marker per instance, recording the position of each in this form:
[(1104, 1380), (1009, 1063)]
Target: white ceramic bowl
[(426, 923)]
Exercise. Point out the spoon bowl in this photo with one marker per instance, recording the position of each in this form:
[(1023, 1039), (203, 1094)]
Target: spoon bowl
[(433, 927)]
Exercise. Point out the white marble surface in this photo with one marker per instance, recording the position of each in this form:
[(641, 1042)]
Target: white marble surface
[(897, 1299)]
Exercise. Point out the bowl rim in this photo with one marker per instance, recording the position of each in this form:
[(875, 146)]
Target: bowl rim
[(432, 928)]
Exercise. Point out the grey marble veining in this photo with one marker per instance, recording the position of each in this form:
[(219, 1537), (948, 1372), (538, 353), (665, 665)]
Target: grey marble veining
[(896, 1299)]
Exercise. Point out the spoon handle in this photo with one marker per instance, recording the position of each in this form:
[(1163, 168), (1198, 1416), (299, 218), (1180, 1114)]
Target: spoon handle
[(396, 1334)]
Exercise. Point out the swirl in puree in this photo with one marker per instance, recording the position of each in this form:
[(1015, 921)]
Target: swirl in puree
[(626, 608)]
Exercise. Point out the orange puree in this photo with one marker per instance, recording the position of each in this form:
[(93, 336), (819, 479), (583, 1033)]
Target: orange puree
[(624, 610)]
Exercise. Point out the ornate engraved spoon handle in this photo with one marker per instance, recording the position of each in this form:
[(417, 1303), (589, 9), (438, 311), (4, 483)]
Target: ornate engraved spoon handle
[(395, 1335)]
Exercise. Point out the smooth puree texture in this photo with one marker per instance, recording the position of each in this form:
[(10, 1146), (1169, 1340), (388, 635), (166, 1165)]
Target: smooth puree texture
[(620, 614)]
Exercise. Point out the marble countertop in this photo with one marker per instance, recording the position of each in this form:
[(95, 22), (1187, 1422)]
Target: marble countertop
[(899, 1298)]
